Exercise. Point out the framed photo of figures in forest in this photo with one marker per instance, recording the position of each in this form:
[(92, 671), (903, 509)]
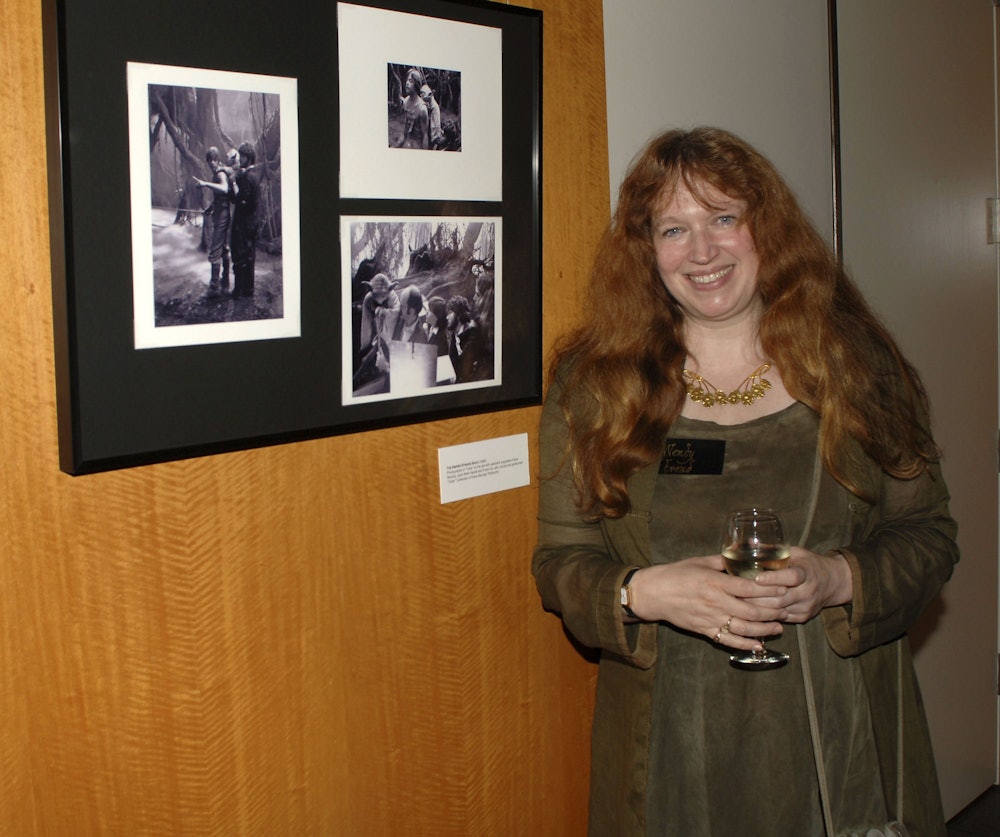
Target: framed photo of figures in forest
[(243, 129), (410, 83), (436, 329), (271, 232)]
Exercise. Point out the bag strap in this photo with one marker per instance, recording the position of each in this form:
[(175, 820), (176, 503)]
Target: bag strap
[(817, 744), (824, 788), (899, 731)]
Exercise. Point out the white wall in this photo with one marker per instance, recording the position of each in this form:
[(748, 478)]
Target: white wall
[(917, 135), (758, 69), (919, 160)]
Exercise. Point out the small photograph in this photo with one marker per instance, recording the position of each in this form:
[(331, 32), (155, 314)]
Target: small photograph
[(410, 83), (423, 304), (425, 108), (208, 216)]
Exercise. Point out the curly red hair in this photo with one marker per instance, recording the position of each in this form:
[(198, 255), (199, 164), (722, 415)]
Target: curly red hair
[(622, 367)]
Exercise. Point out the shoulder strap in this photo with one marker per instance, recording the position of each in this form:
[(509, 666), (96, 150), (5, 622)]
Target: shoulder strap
[(817, 744), (896, 827)]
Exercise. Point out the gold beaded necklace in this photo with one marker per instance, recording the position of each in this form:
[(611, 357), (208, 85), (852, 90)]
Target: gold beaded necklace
[(754, 386)]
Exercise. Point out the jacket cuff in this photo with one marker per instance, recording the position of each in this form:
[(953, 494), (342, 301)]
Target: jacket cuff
[(843, 622), (634, 642)]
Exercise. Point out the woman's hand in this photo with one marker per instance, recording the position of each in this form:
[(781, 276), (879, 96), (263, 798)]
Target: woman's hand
[(812, 583), (696, 595)]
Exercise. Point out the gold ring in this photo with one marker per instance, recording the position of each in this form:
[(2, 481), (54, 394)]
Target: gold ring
[(718, 638), (725, 628)]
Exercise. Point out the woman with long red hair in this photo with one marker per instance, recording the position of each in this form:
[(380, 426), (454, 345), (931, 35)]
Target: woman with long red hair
[(726, 362)]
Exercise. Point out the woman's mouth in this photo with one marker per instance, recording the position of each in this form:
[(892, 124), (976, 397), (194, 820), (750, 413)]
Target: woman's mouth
[(708, 278)]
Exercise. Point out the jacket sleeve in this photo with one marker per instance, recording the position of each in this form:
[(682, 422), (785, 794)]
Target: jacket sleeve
[(903, 550), (573, 564)]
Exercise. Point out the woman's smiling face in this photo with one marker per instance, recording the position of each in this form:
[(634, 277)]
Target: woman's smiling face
[(706, 256)]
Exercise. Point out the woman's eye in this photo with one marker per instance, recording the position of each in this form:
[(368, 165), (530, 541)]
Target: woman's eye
[(727, 220), (671, 232)]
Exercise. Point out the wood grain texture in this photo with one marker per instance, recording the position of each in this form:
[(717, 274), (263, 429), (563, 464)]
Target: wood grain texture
[(292, 640)]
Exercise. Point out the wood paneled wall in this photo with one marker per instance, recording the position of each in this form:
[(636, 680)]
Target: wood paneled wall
[(292, 640)]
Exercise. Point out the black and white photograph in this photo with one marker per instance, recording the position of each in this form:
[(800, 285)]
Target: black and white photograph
[(424, 305), (214, 174), (425, 108), (441, 83), (361, 284)]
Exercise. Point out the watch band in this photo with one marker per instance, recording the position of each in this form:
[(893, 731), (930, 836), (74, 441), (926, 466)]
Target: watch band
[(626, 593)]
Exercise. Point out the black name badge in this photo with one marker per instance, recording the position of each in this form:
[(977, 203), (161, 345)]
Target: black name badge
[(693, 456)]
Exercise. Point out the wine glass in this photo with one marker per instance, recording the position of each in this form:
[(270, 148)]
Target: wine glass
[(754, 542)]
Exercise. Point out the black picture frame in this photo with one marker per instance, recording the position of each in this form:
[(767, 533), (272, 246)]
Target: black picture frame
[(121, 406)]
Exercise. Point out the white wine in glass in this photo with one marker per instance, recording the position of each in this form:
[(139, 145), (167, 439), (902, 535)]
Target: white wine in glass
[(754, 542)]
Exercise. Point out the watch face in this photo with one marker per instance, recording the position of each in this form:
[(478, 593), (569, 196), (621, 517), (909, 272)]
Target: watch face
[(625, 596)]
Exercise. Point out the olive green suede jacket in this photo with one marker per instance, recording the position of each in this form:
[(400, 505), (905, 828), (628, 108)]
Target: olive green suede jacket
[(901, 552)]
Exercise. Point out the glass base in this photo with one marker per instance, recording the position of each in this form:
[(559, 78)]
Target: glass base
[(761, 660)]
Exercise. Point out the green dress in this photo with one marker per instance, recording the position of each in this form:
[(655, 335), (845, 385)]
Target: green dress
[(670, 716), (730, 749)]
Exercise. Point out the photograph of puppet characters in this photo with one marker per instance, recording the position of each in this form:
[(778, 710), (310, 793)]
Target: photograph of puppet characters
[(422, 304), (425, 108), (215, 178)]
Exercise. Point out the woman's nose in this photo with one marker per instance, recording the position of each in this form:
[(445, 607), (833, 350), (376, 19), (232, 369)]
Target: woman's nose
[(703, 247)]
